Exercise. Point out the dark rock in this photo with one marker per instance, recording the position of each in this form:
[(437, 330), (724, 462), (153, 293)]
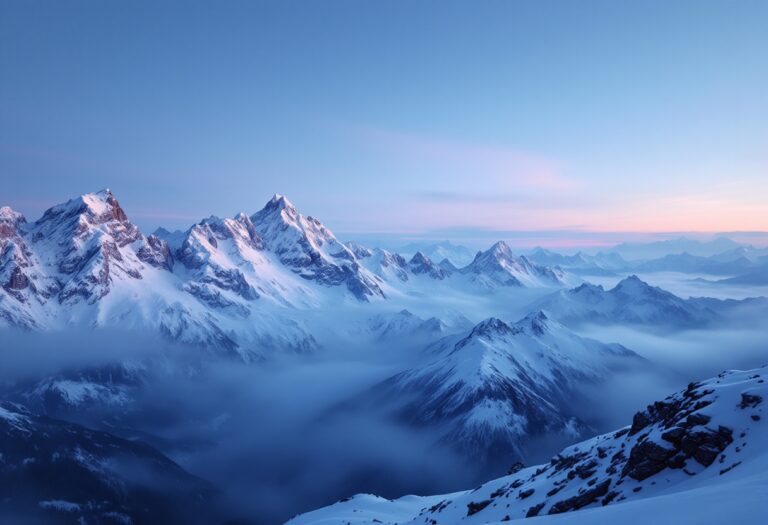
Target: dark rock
[(695, 420), (705, 445), (498, 492), (676, 462), (582, 500), (476, 506), (674, 435), (525, 493), (555, 490), (646, 459), (610, 497), (534, 511)]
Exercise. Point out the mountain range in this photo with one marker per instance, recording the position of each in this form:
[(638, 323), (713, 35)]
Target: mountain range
[(634, 302), (233, 284)]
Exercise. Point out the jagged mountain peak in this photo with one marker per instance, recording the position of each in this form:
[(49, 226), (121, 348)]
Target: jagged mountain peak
[(586, 288), (280, 203), (10, 221), (9, 215), (420, 264), (490, 327), (500, 247), (538, 321), (360, 251), (447, 266), (633, 285), (96, 208), (499, 266), (310, 249), (420, 258)]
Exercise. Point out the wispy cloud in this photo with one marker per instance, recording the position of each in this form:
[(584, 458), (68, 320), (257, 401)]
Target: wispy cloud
[(492, 167)]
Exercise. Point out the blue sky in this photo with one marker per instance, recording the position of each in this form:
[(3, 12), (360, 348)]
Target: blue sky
[(393, 118)]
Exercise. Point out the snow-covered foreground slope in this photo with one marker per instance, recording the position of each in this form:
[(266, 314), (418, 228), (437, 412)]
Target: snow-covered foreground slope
[(496, 388), (698, 456)]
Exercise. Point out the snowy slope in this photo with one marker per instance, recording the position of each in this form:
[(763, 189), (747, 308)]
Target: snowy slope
[(703, 444), (498, 385)]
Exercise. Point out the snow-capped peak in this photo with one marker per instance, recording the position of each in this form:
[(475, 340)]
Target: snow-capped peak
[(499, 266), (9, 222), (281, 202), (9, 215), (633, 285), (95, 208), (420, 264), (501, 248), (310, 249), (490, 327)]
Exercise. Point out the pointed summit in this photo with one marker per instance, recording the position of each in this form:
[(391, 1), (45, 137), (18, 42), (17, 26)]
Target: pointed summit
[(310, 249), (9, 215), (10, 221), (489, 327), (501, 248), (420, 258), (280, 202), (447, 266), (420, 264), (632, 284), (537, 321), (498, 266), (95, 208)]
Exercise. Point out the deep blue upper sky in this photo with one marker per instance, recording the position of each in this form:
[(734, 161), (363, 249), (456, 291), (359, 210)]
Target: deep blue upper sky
[(399, 117)]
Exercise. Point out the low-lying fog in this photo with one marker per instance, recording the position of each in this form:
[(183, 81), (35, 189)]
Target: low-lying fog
[(278, 438)]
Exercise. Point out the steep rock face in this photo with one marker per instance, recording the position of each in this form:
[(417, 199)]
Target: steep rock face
[(420, 264), (498, 266), (18, 276), (391, 267), (156, 252), (702, 436), (447, 267), (306, 246), (57, 472), (88, 244), (217, 251), (500, 384)]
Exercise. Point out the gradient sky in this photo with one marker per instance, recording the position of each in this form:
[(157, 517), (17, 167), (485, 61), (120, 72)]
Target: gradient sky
[(393, 117)]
